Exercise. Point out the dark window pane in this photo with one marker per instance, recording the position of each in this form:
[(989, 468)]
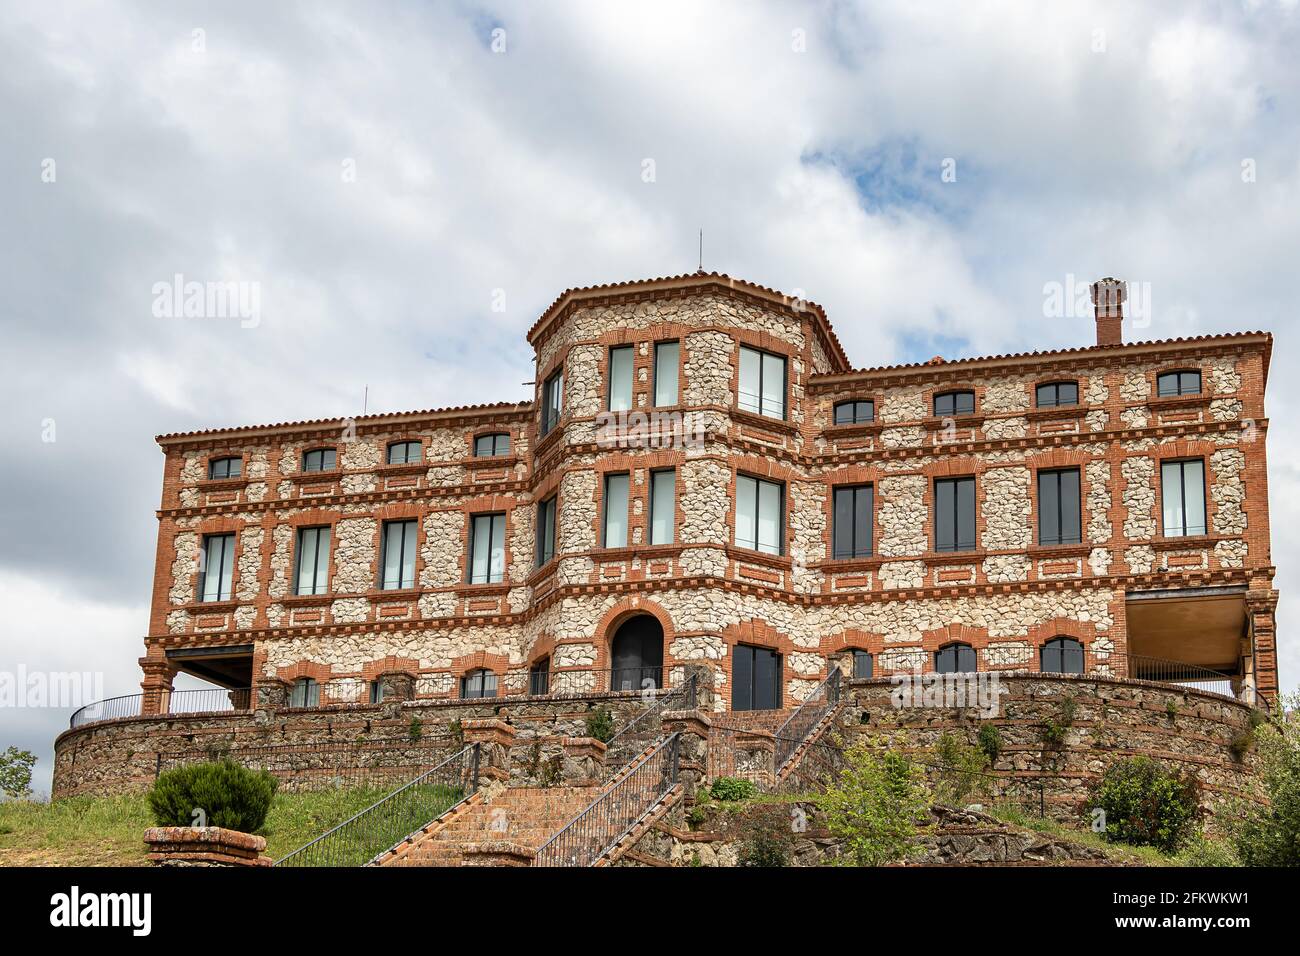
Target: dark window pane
[(1067, 393), (844, 413), (843, 530), (1071, 532), (1049, 508), (945, 515), (965, 514), (862, 522), (1189, 383), (767, 679), (862, 664), (742, 678)]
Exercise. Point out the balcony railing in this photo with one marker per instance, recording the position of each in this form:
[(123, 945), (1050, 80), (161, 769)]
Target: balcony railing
[(207, 701), (1184, 675)]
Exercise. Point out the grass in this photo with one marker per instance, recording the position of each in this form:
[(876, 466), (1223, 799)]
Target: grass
[(109, 831), (1140, 855)]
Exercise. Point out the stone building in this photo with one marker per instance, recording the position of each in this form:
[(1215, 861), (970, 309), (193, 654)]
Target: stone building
[(704, 479)]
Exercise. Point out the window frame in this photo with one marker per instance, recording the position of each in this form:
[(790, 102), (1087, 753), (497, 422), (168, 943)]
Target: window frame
[(1178, 374), (676, 374), (492, 518), (858, 655), (956, 647), (785, 381), (630, 352), (952, 394), (539, 668), (606, 514), (1060, 522), (855, 490), (496, 438), (225, 460), (482, 673), (1204, 527), (404, 443), (542, 556), (385, 531), (310, 694), (957, 481), (302, 531), (854, 402), (758, 512), (305, 467), (1056, 399), (778, 687), (650, 509), (1060, 643), (551, 413), (228, 594)]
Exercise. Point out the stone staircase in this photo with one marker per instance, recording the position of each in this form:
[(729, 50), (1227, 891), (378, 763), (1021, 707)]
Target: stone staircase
[(501, 828)]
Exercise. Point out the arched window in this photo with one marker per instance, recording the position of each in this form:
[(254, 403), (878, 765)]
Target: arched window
[(305, 692), (1061, 655), (956, 658), (539, 678), (478, 684), (862, 664), (1052, 394), (856, 412), (489, 446), (954, 403), (1186, 382), (405, 453), (319, 459)]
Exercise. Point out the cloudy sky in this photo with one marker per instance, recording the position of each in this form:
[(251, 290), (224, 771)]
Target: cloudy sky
[(385, 172)]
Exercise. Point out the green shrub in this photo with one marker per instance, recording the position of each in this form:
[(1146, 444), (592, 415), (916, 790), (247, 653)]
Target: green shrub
[(1201, 851), (959, 770), (1171, 708), (874, 805), (989, 740), (229, 795), (1146, 804), (416, 730), (1269, 835), (1241, 743), (16, 772), (768, 836), (600, 724), (732, 788), (1054, 729)]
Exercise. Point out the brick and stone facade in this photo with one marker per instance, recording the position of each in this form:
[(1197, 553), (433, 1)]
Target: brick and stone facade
[(1004, 597)]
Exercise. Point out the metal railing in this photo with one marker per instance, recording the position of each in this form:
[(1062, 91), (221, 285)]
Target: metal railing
[(362, 838), (616, 812), (646, 727), (206, 701), (805, 718), (1184, 675)]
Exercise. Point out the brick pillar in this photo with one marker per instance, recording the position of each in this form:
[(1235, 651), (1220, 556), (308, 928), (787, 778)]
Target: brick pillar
[(693, 751), (495, 738), (397, 686), (156, 686), (1261, 608), (270, 695)]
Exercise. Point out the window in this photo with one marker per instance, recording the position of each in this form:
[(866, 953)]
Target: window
[(478, 684), (489, 446), (663, 505), (762, 383), (312, 573), (1061, 655), (539, 678), (851, 527), (1182, 488), (376, 691), (955, 659), (225, 467), (855, 412), (954, 514), (487, 549), (615, 532), (1178, 383), (399, 555), (760, 514), (1058, 506), (667, 362), (319, 459), (620, 378), (861, 664), (405, 453), (954, 403), (218, 566), (305, 692), (755, 678), (545, 531), (552, 398), (1053, 394)]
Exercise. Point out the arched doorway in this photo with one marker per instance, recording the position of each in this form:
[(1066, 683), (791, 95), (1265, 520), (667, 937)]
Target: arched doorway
[(636, 654)]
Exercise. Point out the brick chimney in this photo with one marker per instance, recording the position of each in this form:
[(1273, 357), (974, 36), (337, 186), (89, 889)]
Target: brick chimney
[(1108, 297)]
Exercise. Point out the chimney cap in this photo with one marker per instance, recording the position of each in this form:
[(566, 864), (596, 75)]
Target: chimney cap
[(1115, 290)]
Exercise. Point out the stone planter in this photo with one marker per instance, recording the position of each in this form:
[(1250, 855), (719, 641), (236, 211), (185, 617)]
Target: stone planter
[(204, 846)]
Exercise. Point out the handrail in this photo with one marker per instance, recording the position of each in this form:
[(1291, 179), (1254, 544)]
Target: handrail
[(200, 701), (688, 692), (790, 735), (616, 812), (365, 836)]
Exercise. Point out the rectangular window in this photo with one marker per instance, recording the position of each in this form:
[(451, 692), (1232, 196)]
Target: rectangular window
[(489, 446), (755, 678), (1178, 383), (667, 364), (399, 555), (663, 505), (1053, 394), (552, 401), (856, 412), (1182, 489), (760, 514), (851, 532), (615, 535), (376, 692), (955, 403), (762, 383), (312, 573), (1058, 507), (487, 549), (218, 566), (545, 531), (405, 452), (319, 459), (954, 514), (225, 467), (620, 378)]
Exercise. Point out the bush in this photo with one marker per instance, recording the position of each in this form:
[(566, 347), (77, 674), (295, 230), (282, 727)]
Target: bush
[(769, 836), (732, 788), (990, 742), (229, 795), (959, 771), (600, 724), (1146, 804), (874, 805), (1270, 835), (1200, 851), (16, 772)]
